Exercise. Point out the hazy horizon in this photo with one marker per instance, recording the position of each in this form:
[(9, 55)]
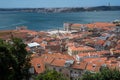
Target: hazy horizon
[(56, 3), (51, 7)]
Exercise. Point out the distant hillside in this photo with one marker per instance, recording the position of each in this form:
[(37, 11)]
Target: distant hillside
[(104, 8), (56, 10)]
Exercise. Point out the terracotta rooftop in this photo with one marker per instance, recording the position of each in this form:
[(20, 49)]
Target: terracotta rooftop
[(113, 64), (92, 67), (38, 40), (38, 64), (29, 32), (79, 65), (81, 48), (12, 33), (118, 46), (103, 25), (95, 59), (57, 56), (99, 42), (76, 25), (117, 51), (95, 64), (58, 62)]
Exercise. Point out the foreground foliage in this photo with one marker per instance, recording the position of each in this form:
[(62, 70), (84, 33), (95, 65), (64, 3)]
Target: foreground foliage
[(14, 63), (104, 74), (50, 75)]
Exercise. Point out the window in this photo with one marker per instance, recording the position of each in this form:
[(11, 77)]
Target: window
[(94, 65), (60, 70), (71, 71), (54, 69), (38, 65)]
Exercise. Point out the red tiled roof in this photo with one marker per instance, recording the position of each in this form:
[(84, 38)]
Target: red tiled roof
[(38, 61), (116, 51), (95, 59), (102, 25), (76, 25), (79, 65), (48, 60), (113, 64), (58, 62), (95, 65), (100, 42), (29, 32), (117, 47), (38, 40), (90, 67), (81, 48)]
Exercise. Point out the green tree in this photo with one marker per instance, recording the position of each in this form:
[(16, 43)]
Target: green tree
[(14, 60), (50, 75), (104, 74)]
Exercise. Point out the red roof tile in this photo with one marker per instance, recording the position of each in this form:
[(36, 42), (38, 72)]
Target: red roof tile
[(76, 25), (81, 48), (102, 25), (38, 64), (58, 62), (79, 65)]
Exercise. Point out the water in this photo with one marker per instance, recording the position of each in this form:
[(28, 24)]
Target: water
[(45, 21)]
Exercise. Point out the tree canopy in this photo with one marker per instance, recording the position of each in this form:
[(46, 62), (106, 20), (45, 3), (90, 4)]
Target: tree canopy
[(50, 75), (104, 74), (14, 60)]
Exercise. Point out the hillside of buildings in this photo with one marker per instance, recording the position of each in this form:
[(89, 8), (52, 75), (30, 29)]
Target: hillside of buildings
[(54, 10), (77, 49)]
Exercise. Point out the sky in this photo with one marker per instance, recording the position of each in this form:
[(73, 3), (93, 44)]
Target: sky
[(55, 3)]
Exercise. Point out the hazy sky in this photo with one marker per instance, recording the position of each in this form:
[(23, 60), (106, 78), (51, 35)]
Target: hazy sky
[(55, 3)]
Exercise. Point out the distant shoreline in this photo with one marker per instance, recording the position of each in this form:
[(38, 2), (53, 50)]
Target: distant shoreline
[(58, 10), (47, 21)]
